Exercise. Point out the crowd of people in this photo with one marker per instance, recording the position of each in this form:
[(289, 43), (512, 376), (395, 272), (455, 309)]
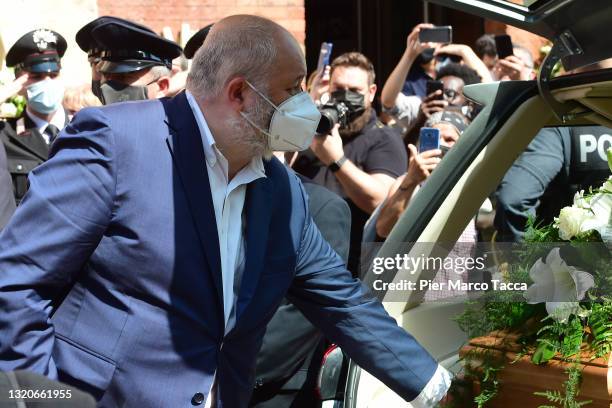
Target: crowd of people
[(359, 176)]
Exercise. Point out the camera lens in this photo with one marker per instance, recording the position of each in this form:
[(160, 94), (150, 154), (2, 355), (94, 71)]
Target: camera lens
[(329, 118)]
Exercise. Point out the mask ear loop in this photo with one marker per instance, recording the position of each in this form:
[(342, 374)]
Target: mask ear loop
[(264, 97)]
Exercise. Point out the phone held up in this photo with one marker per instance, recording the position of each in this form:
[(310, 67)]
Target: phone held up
[(432, 86), (429, 139), (437, 34), (503, 44), (324, 55)]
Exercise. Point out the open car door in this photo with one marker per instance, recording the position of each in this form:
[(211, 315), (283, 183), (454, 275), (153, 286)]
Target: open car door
[(513, 113)]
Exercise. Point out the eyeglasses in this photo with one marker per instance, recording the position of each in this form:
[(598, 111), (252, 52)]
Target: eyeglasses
[(451, 93)]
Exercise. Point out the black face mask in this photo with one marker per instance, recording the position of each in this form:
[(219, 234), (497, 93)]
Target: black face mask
[(95, 89), (113, 91), (354, 101)]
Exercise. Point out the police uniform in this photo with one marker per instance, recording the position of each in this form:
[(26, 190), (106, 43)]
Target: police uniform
[(27, 138), (557, 163), (196, 41), (126, 48), (86, 42)]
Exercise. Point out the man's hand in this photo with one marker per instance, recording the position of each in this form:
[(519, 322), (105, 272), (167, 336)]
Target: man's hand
[(328, 148), (14, 88), (511, 68), (469, 57), (420, 165), (320, 85), (413, 45), (431, 104)]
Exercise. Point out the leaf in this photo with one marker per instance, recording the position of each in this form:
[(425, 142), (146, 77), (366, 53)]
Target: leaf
[(543, 353)]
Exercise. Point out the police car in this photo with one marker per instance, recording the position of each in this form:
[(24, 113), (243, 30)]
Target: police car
[(513, 113)]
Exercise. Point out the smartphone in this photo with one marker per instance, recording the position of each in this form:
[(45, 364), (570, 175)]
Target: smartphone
[(429, 139), (324, 55), (432, 86), (503, 43), (437, 34)]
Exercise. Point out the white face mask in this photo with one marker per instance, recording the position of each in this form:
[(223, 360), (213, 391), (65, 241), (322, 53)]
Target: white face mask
[(293, 124)]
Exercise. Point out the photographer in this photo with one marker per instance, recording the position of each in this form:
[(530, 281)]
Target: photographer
[(406, 86), (360, 159), (421, 164), (517, 67), (453, 77)]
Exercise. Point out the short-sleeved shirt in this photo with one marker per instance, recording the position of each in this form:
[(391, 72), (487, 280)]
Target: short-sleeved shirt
[(377, 149)]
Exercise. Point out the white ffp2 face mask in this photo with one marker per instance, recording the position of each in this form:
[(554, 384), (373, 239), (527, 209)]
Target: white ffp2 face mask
[(293, 124)]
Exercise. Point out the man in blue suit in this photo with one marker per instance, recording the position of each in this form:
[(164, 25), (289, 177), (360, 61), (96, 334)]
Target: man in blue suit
[(158, 240)]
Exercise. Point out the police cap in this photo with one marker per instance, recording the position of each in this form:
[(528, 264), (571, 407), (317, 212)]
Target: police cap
[(196, 41), (128, 48), (86, 41), (37, 51)]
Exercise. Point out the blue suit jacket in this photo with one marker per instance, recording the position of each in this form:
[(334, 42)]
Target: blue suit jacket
[(110, 273)]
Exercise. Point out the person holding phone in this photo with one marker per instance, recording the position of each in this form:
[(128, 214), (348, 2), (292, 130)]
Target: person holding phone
[(400, 103), (447, 126), (517, 66)]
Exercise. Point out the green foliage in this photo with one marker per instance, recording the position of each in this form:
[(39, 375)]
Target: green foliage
[(568, 398), (543, 337), (600, 323)]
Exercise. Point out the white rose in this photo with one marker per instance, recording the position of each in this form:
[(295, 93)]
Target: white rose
[(8, 110), (570, 221), (580, 201), (559, 285), (600, 218)]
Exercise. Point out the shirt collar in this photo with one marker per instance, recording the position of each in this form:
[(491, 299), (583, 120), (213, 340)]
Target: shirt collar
[(208, 141), (58, 119)]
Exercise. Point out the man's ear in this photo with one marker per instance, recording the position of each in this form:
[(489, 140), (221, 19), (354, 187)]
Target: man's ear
[(234, 93), (163, 84), (372, 92)]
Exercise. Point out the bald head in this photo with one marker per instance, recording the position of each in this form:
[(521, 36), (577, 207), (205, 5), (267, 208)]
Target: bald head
[(241, 46)]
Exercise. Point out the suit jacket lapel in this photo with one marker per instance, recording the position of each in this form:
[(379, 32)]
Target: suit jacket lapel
[(31, 139), (258, 214), (185, 143)]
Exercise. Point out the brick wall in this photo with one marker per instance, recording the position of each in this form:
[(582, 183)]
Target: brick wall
[(158, 14)]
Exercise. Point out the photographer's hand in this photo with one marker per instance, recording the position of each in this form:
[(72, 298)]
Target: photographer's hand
[(394, 83), (420, 165), (328, 148), (431, 104), (469, 57), (320, 85), (512, 68)]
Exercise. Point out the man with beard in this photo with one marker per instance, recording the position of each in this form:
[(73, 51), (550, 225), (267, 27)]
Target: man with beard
[(145, 272), (361, 161)]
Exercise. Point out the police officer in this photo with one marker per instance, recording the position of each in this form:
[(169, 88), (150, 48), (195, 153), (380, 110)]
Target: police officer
[(88, 44), (557, 163), (135, 63), (196, 41), (36, 59)]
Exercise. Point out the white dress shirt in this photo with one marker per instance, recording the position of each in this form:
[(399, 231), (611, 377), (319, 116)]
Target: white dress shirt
[(58, 120), (228, 201)]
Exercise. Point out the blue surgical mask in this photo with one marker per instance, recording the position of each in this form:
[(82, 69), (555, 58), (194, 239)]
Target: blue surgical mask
[(45, 96)]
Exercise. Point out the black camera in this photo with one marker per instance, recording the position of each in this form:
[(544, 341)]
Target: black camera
[(332, 113)]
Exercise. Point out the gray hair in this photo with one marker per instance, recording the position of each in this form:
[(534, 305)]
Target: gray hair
[(159, 71), (248, 49)]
